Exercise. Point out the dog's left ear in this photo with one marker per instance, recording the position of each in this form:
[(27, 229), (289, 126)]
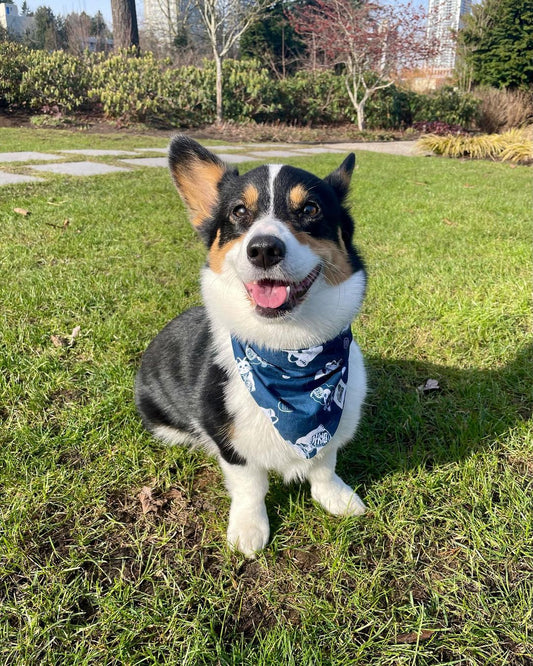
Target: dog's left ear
[(197, 173), (340, 179)]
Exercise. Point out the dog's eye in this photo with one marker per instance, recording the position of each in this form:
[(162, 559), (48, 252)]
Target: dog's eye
[(310, 209), (239, 211)]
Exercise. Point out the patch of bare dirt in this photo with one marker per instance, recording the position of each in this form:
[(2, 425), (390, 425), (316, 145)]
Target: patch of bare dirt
[(227, 131)]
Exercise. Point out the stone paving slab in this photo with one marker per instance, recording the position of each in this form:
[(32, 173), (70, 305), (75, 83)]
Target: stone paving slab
[(27, 156), (265, 154), (79, 168), (236, 146), (317, 150), (16, 178), (236, 159), (147, 161), (253, 146), (237, 153), (152, 150), (406, 148), (96, 152)]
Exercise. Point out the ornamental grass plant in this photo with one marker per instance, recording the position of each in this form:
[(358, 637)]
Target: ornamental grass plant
[(515, 145)]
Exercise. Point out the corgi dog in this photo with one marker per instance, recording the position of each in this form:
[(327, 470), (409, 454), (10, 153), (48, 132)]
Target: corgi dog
[(265, 376)]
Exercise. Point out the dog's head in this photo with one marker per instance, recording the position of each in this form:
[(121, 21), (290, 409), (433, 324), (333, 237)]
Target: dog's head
[(281, 271)]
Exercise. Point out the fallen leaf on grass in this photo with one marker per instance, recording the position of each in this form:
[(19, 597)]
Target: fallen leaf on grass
[(468, 185), (148, 502), (414, 636), (173, 493), (21, 211), (152, 504), (430, 385), (449, 222), (75, 332), (55, 203), (66, 341), (57, 340)]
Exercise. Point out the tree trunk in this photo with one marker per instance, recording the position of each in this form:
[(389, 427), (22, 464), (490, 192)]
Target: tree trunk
[(360, 111), (125, 29), (218, 66)]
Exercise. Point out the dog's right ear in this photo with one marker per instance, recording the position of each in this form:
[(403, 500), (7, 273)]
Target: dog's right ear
[(197, 173)]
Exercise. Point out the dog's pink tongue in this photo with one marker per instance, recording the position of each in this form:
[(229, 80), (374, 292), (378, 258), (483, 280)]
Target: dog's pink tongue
[(267, 294)]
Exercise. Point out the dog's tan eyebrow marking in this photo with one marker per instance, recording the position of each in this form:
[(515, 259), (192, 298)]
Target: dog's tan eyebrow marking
[(250, 197), (217, 253), (298, 196), (336, 263)]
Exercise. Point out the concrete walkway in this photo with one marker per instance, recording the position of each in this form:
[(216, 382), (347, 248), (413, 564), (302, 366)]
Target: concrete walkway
[(121, 160)]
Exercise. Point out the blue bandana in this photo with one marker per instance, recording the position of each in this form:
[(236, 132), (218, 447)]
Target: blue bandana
[(300, 391)]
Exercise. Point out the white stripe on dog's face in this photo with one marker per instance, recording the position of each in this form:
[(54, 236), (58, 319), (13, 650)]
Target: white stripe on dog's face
[(273, 172)]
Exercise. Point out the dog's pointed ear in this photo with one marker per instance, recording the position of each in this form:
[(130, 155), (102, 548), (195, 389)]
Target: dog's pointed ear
[(197, 173), (340, 179)]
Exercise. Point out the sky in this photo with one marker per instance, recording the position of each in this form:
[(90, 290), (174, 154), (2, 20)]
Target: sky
[(64, 7)]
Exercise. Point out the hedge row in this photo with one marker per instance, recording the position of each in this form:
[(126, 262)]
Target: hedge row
[(145, 89)]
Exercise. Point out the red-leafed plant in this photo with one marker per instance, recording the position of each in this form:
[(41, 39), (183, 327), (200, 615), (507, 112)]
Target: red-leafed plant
[(373, 43)]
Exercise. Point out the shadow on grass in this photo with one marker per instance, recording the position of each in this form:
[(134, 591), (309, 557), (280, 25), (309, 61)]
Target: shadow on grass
[(404, 427)]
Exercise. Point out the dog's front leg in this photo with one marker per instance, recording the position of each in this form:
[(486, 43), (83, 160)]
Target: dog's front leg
[(248, 528), (329, 490)]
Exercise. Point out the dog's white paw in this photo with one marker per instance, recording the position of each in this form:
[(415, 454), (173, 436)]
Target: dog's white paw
[(248, 532), (338, 498)]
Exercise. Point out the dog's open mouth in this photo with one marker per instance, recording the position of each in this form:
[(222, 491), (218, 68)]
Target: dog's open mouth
[(274, 297)]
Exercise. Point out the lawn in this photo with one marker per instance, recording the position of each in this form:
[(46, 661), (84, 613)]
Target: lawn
[(440, 571)]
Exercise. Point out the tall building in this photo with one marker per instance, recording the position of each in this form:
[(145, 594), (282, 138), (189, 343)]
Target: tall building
[(161, 19), (13, 22), (172, 22), (445, 17)]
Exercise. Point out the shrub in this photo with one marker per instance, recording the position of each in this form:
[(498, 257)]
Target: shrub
[(140, 89), (13, 64), (55, 79), (446, 105), (314, 98), (191, 92), (389, 108), (130, 87), (249, 91)]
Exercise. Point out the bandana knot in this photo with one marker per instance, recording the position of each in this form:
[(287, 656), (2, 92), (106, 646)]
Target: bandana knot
[(301, 391)]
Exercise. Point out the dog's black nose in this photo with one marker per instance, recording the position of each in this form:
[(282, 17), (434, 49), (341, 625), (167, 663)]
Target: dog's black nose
[(266, 251)]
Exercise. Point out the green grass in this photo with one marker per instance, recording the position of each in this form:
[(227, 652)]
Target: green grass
[(439, 571), (59, 139)]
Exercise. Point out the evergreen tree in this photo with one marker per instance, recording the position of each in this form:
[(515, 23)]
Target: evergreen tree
[(98, 26), (273, 40), (49, 32), (497, 43)]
